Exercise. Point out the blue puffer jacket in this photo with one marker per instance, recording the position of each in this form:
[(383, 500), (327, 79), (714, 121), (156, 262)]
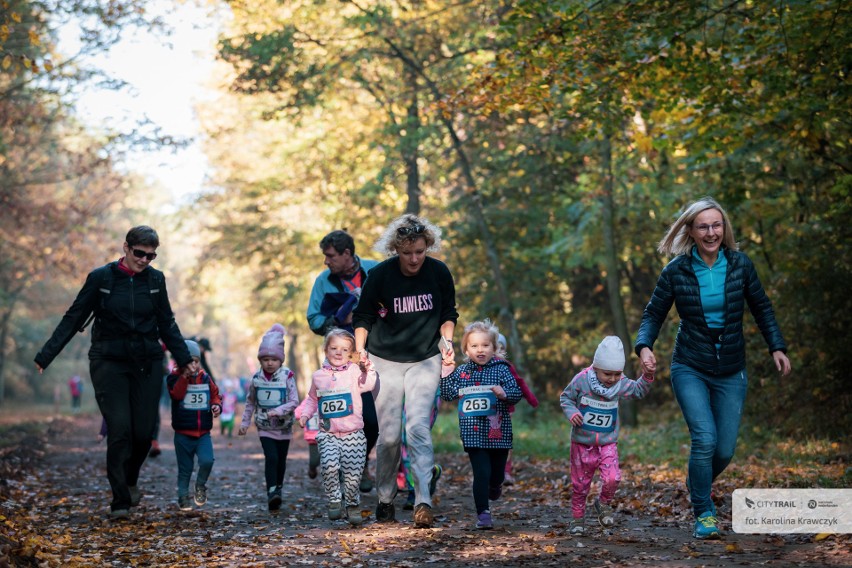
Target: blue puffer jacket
[(695, 346)]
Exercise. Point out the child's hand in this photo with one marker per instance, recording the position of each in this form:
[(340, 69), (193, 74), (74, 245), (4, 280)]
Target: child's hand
[(216, 409), (302, 421), (242, 431), (499, 392), (577, 419)]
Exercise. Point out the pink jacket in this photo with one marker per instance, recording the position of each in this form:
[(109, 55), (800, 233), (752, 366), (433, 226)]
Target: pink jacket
[(350, 378)]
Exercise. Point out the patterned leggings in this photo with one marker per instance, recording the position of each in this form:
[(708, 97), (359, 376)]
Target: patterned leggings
[(585, 460), (346, 454)]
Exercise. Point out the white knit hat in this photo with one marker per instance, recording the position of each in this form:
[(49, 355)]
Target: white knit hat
[(609, 355)]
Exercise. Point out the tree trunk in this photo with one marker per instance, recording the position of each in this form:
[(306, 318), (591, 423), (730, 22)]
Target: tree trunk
[(11, 300), (411, 144), (613, 272)]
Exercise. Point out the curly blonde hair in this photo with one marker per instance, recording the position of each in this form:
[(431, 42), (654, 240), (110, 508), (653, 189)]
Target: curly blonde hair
[(484, 326), (407, 229), (678, 240)]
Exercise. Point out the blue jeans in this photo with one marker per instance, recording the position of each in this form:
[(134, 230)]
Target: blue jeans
[(712, 407), (187, 448)]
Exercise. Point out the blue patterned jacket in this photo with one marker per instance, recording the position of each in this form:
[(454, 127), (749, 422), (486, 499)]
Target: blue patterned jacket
[(489, 432)]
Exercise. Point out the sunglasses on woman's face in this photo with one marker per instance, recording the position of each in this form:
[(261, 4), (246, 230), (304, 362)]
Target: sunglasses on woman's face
[(141, 253), (412, 230)]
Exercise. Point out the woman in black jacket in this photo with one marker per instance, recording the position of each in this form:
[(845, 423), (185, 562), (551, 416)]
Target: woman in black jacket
[(131, 314), (710, 282)]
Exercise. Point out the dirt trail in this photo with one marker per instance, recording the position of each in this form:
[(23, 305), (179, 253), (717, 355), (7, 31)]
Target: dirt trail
[(56, 515)]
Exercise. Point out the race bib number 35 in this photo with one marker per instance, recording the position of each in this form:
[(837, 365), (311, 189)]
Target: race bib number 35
[(197, 397), (599, 415), (335, 403), (477, 401)]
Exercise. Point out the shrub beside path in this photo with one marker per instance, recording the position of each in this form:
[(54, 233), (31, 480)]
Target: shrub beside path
[(54, 498)]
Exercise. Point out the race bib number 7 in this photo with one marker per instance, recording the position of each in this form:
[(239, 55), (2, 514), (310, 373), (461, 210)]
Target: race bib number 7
[(197, 397), (334, 403), (271, 397), (477, 401), (599, 415)]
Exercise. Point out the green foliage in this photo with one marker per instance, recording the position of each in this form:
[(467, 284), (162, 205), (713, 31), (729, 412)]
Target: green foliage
[(744, 101)]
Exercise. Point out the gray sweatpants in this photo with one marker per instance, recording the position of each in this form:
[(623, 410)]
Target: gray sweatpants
[(416, 385)]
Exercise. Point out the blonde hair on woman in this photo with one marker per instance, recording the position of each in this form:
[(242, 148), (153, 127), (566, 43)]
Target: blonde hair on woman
[(408, 228), (678, 241), (484, 326)]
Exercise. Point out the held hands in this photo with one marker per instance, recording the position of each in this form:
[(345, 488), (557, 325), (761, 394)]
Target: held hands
[(448, 355), (577, 419), (649, 362), (303, 420), (364, 360), (498, 392), (242, 431), (782, 363)]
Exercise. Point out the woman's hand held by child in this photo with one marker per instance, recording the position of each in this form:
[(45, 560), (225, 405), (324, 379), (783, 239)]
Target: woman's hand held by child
[(499, 392), (242, 431), (649, 361)]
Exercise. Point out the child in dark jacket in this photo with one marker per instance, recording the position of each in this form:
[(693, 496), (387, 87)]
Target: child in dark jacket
[(195, 402), (485, 388)]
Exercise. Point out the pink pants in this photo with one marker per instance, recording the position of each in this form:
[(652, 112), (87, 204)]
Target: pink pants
[(585, 460)]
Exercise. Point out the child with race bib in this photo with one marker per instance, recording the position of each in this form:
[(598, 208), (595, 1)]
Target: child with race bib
[(590, 402), (335, 394), (195, 401), (485, 387), (272, 398)]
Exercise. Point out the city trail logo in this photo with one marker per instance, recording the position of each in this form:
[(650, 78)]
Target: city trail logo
[(792, 510)]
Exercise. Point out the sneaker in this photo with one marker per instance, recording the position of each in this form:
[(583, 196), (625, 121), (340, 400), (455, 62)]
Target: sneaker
[(274, 498), (409, 502), (706, 526), (436, 475), (155, 449), (577, 526), (117, 514), (604, 512), (483, 520), (185, 503), (494, 493), (353, 515), (135, 495), (200, 495), (366, 484), (385, 513), (508, 479), (423, 517), (335, 510)]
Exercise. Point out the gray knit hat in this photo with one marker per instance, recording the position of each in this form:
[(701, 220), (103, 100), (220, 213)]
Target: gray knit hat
[(194, 349), (609, 355)]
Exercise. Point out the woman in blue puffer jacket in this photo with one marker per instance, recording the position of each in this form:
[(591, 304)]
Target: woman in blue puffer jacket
[(710, 282)]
